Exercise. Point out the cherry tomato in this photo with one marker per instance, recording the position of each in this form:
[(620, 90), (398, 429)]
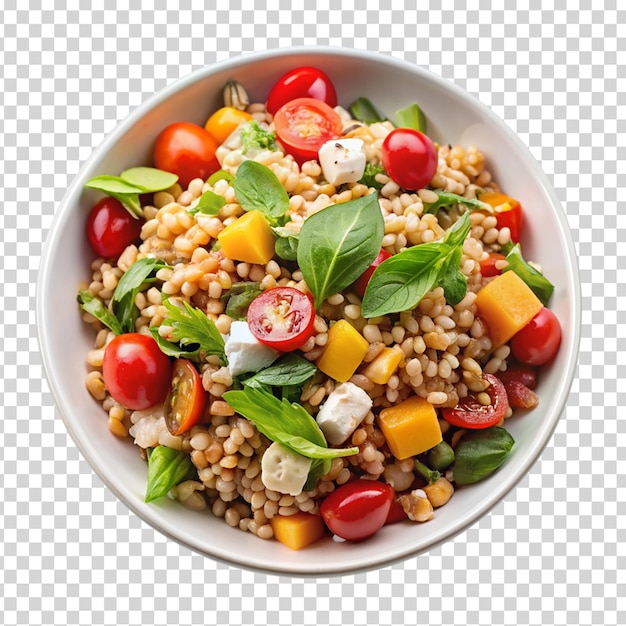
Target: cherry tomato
[(302, 82), (488, 266), (110, 228), (357, 509), (224, 121), (396, 513), (282, 318), (135, 371), (539, 341), (303, 125), (520, 396), (185, 402), (470, 413), (508, 212), (519, 372), (409, 157), (360, 285), (187, 150)]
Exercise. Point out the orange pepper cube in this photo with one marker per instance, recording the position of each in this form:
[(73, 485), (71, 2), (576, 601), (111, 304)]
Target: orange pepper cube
[(249, 238)]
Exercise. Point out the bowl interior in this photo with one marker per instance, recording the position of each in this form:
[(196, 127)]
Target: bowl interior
[(453, 117)]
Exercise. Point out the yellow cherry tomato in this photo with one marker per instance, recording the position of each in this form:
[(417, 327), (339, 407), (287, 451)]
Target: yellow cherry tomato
[(224, 121)]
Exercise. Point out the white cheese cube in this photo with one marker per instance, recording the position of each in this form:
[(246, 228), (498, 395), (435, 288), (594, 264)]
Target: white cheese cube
[(345, 408), (283, 470), (245, 353), (342, 160)]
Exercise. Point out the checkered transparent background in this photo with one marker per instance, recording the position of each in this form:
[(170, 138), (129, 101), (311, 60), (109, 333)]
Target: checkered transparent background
[(551, 552)]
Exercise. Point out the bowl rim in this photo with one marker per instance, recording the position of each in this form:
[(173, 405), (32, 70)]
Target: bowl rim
[(530, 455)]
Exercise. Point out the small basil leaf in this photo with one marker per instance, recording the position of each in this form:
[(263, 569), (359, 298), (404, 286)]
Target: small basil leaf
[(239, 297), (539, 284), (453, 281), (286, 245), (289, 370), (220, 175), (172, 349), (411, 117), (364, 111), (150, 179), (166, 469), (319, 467), (257, 187), (113, 185), (338, 244), (446, 199), (88, 302), (209, 203)]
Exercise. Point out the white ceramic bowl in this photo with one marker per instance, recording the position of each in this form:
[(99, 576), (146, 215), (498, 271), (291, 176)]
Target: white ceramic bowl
[(453, 117)]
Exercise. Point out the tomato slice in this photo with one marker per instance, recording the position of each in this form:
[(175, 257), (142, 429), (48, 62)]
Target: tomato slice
[(303, 125), (470, 413), (184, 405), (360, 285), (282, 318), (301, 82), (508, 212)]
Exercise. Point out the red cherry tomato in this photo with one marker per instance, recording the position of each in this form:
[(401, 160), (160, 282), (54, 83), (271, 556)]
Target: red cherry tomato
[(302, 82), (409, 157), (357, 509), (539, 341), (303, 125), (488, 266), (110, 228), (360, 285), (187, 150), (508, 212), (470, 413), (282, 318), (184, 405), (519, 372), (135, 371), (396, 513)]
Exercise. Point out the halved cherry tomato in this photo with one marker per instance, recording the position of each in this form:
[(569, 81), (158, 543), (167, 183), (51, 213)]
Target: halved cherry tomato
[(488, 266), (110, 228), (360, 285), (520, 396), (282, 318), (303, 125), (184, 404), (508, 212), (135, 371), (357, 509), (409, 157), (301, 82), (187, 150), (470, 413), (224, 121), (539, 341)]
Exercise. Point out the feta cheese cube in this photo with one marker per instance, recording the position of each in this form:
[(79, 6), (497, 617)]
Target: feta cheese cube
[(345, 408), (342, 160), (245, 353)]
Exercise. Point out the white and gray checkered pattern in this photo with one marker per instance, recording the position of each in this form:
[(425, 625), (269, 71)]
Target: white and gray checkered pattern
[(550, 553)]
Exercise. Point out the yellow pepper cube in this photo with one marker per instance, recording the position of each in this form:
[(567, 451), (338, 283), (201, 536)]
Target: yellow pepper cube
[(383, 367), (410, 427), (506, 304), (344, 351), (249, 239)]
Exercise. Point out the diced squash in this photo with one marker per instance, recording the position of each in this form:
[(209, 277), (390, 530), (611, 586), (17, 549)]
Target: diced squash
[(382, 368), (298, 530), (248, 239), (506, 304), (410, 427), (497, 198), (344, 351)]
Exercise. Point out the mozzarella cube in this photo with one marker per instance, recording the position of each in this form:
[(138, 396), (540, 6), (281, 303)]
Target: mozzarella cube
[(345, 408), (283, 470), (245, 353), (342, 160)]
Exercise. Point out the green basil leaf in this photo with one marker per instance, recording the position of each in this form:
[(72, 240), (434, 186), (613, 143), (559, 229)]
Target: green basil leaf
[(257, 187), (480, 453), (88, 302), (113, 185), (150, 179), (446, 199), (319, 467), (239, 297), (411, 117), (166, 469), (338, 244), (540, 285), (308, 448), (169, 348), (191, 327), (369, 176), (364, 111), (286, 245), (209, 203), (453, 281), (220, 175), (458, 232), (289, 370)]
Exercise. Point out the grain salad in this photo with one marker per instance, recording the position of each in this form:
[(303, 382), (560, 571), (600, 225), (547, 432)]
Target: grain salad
[(407, 312)]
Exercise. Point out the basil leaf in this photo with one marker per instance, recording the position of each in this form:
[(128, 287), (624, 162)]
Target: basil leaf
[(369, 176), (319, 467), (191, 327), (446, 199), (458, 232), (289, 370), (539, 284), (138, 276), (88, 302), (453, 281), (480, 453), (411, 117), (150, 179), (209, 203), (113, 185), (338, 244), (169, 348), (220, 175), (239, 297), (257, 187), (363, 111), (286, 245), (166, 469)]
